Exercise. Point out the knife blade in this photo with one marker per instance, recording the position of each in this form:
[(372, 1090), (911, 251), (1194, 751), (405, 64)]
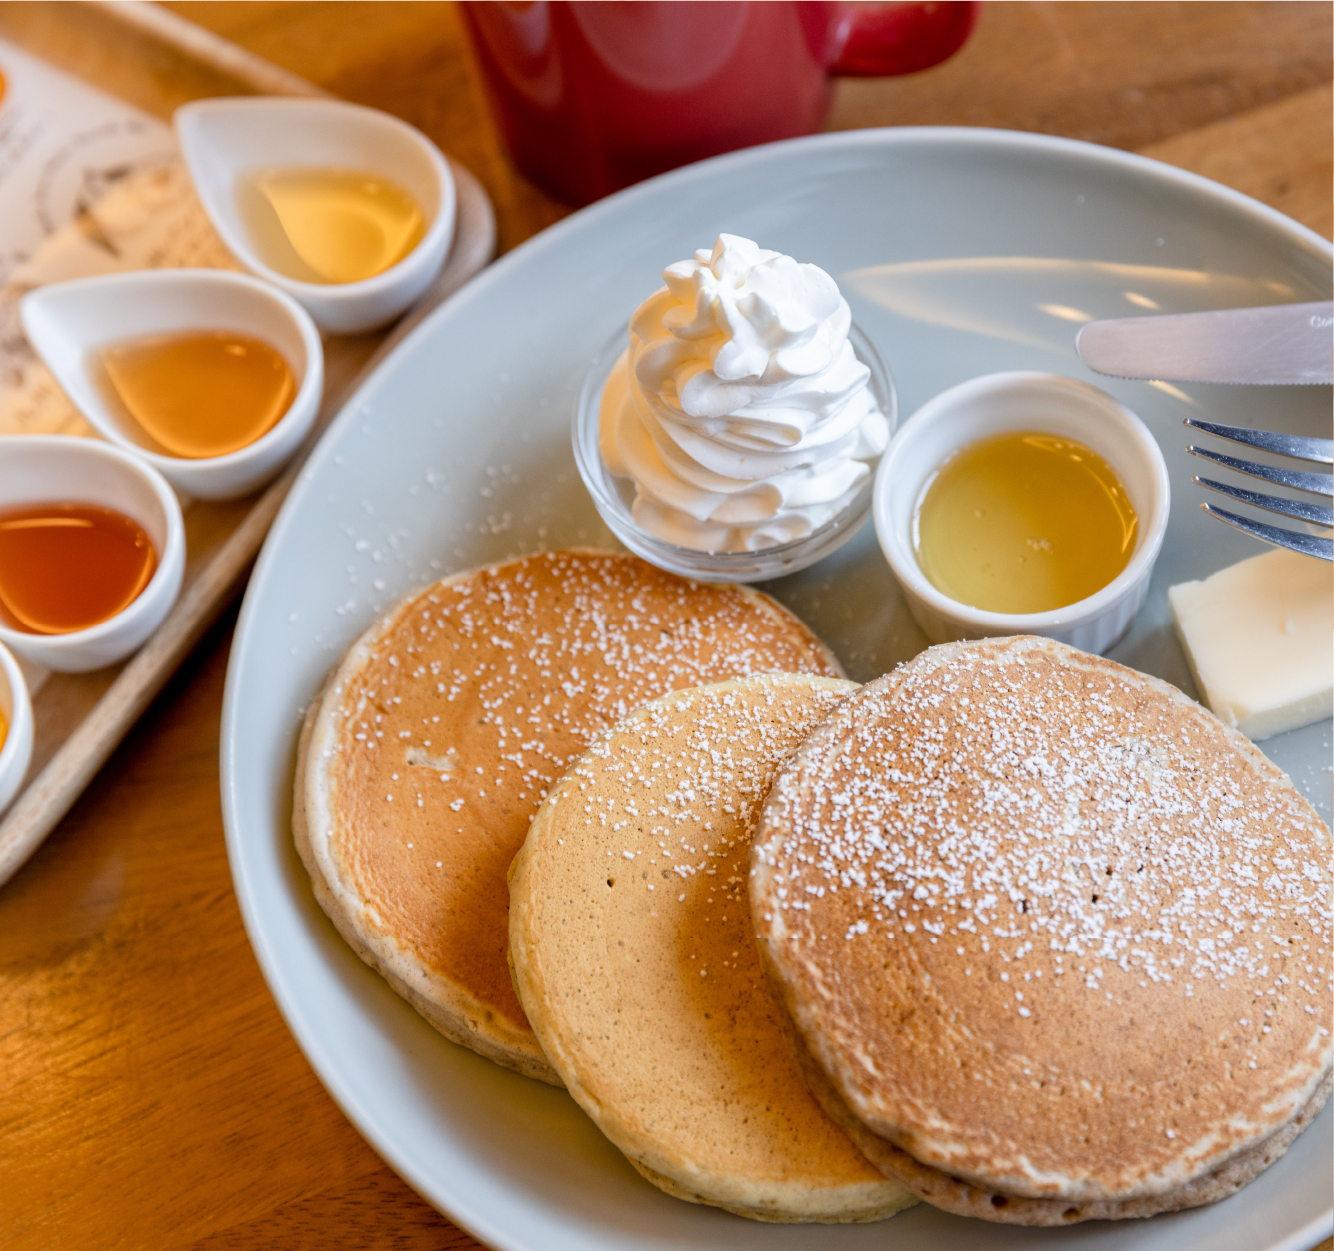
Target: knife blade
[(1283, 343)]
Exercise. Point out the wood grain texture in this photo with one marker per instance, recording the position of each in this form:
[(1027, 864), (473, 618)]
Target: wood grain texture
[(1119, 74), (1254, 153), (153, 1096)]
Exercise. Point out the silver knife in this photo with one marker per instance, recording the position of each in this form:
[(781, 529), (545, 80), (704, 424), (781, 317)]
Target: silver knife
[(1281, 343)]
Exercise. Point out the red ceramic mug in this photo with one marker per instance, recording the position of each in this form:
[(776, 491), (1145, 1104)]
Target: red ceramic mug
[(595, 96)]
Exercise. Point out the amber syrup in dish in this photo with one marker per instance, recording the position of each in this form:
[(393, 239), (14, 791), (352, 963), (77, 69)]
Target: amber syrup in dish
[(201, 393), (328, 225), (66, 567), (1024, 522)]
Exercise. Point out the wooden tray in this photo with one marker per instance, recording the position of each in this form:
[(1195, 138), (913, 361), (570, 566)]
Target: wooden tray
[(157, 61)]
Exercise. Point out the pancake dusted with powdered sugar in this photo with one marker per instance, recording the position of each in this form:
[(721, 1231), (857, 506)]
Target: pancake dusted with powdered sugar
[(633, 955), (446, 723), (1056, 941)]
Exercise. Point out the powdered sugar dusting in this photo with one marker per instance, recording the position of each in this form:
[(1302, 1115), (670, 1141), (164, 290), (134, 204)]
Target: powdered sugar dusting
[(699, 778), (1080, 821), (614, 634)]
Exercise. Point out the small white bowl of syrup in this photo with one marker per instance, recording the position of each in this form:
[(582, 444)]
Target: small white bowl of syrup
[(1023, 503), (15, 728), (212, 377), (347, 209), (92, 551)]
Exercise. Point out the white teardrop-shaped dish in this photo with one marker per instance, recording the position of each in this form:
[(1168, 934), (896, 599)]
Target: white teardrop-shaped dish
[(69, 322), (224, 139), (46, 468)]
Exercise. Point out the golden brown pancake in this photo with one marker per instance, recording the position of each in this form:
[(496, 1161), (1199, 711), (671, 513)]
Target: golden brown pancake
[(446, 723), (1057, 941), (632, 952)]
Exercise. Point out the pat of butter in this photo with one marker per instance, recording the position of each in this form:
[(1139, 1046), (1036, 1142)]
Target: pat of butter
[(1258, 638)]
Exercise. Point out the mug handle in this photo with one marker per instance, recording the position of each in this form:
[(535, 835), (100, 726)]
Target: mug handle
[(878, 40)]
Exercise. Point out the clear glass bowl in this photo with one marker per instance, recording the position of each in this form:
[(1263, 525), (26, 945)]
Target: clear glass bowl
[(614, 496)]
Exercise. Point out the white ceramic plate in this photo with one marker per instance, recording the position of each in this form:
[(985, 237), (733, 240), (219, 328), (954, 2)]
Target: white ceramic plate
[(962, 253)]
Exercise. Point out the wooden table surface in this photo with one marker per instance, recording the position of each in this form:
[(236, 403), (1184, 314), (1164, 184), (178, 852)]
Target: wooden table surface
[(150, 1094)]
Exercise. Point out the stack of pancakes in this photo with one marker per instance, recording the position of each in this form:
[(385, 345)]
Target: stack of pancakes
[(1038, 935), (434, 741)]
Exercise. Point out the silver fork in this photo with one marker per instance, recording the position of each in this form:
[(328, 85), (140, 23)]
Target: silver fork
[(1320, 450)]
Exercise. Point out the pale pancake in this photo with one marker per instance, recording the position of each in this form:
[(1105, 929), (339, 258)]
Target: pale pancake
[(633, 955), (447, 721), (1058, 939)]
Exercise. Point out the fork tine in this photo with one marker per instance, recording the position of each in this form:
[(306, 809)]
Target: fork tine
[(1318, 514), (1307, 544), (1321, 450), (1298, 479)]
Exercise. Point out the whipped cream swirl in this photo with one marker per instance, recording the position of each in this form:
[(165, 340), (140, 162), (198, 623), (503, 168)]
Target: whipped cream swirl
[(739, 409)]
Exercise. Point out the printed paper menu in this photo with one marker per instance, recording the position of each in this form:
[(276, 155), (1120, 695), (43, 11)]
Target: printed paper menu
[(88, 185)]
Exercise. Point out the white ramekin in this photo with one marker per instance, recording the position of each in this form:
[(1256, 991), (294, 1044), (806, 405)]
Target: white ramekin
[(46, 469), (992, 405), (16, 753), (69, 322)]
